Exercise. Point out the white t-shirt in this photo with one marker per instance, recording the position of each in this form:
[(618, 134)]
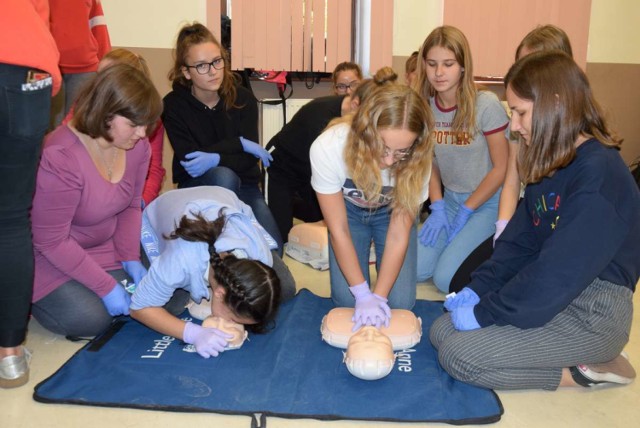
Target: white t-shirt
[(329, 172)]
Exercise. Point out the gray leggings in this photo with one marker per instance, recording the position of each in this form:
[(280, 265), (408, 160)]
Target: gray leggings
[(75, 310), (593, 329)]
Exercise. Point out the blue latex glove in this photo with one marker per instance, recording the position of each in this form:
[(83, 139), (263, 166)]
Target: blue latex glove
[(209, 342), (434, 224), (370, 309), (135, 269), (466, 297), (464, 319), (461, 218), (257, 150), (117, 301), (198, 163)]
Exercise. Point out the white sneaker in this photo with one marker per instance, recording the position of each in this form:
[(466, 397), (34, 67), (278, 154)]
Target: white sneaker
[(618, 371)]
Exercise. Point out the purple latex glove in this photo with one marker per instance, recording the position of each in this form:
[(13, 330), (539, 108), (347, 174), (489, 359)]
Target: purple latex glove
[(461, 218), (434, 224), (500, 226), (257, 150), (209, 342), (117, 301), (464, 319), (197, 163), (370, 309), (466, 297)]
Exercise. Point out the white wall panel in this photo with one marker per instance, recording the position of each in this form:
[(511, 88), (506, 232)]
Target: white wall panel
[(150, 23)]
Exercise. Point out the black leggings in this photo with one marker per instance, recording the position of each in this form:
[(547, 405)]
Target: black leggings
[(481, 254)]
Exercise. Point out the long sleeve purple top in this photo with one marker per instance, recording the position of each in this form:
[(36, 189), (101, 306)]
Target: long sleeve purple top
[(84, 225)]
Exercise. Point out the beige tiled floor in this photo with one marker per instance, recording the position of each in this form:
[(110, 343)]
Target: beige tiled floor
[(609, 407)]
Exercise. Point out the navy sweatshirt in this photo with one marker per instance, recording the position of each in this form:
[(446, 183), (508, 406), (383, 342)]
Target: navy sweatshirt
[(192, 126), (580, 224)]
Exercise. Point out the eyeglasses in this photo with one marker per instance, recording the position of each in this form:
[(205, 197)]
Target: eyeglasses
[(204, 67), (398, 155), (343, 87)]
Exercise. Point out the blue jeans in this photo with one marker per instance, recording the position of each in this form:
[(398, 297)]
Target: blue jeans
[(24, 118), (250, 194), (441, 261), (371, 225)]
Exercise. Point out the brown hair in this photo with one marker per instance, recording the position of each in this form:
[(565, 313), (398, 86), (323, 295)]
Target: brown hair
[(125, 56), (195, 34), (545, 38), (366, 87), (412, 63), (453, 39), (390, 106), (563, 109), (118, 90), (252, 289), (344, 66)]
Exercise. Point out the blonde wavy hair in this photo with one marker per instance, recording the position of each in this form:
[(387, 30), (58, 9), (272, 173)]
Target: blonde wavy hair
[(390, 106), (453, 39)]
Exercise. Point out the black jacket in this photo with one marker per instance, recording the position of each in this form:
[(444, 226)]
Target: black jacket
[(192, 126)]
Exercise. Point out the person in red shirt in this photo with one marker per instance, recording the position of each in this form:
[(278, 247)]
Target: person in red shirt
[(80, 31)]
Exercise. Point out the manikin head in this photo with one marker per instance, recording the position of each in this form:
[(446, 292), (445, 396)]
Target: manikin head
[(234, 329), (369, 354)]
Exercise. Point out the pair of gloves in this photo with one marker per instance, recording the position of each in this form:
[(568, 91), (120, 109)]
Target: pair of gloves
[(370, 308), (197, 163), (118, 300), (438, 222), (209, 342), (461, 307)]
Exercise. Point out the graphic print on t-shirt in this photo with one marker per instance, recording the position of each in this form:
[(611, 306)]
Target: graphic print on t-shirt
[(356, 197)]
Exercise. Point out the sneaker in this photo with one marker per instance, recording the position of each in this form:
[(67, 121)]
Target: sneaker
[(14, 370), (617, 371)]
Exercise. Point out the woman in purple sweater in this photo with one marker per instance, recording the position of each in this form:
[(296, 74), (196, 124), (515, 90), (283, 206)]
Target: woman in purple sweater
[(86, 211)]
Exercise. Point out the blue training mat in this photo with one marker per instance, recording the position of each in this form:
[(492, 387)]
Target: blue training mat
[(289, 372)]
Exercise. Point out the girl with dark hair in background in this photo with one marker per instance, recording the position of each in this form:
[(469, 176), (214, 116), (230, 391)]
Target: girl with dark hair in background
[(212, 124), (346, 77)]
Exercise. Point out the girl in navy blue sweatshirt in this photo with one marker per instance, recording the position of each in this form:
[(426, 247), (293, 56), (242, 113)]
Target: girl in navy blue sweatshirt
[(553, 306)]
